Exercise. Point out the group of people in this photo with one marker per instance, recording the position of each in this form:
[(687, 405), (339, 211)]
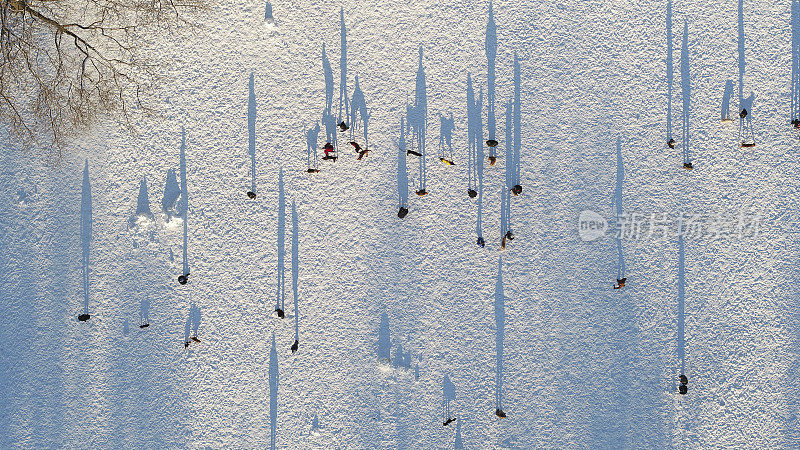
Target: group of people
[(331, 154)]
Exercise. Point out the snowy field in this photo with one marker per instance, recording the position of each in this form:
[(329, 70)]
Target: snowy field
[(585, 365)]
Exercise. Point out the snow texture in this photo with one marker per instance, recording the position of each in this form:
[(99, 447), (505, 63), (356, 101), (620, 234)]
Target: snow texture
[(584, 365)]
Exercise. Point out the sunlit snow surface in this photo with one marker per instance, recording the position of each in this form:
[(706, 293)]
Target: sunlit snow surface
[(584, 365)]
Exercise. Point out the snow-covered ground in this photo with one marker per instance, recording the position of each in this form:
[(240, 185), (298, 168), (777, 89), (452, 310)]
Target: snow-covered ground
[(584, 365)]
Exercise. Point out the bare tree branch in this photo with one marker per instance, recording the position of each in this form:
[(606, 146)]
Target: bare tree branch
[(51, 88)]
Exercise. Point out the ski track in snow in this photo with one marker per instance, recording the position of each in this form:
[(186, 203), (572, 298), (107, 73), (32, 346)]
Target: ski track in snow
[(583, 365)]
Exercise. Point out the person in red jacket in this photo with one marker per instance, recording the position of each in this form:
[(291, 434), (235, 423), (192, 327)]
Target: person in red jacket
[(328, 148)]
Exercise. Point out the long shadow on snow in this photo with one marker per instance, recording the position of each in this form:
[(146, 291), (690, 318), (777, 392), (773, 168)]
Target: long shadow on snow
[(295, 275), (602, 382), (491, 55), (251, 130), (617, 204), (358, 110), (86, 235), (184, 205), (280, 296), (670, 70), (681, 305), (417, 116), (327, 72), (794, 108), (517, 119), (746, 123), (343, 99), (686, 92), (402, 169)]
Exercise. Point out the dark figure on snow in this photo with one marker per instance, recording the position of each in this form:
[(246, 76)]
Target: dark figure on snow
[(295, 346), (280, 312), (516, 190), (83, 317), (492, 159), (499, 413), (683, 379), (745, 125), (481, 242), (251, 194), (183, 279), (472, 193), (688, 166), (412, 152), (342, 126), (509, 236), (328, 149), (402, 213), (683, 389), (361, 152), (796, 123), (621, 283), (422, 192), (449, 421), (671, 143), (185, 344)]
